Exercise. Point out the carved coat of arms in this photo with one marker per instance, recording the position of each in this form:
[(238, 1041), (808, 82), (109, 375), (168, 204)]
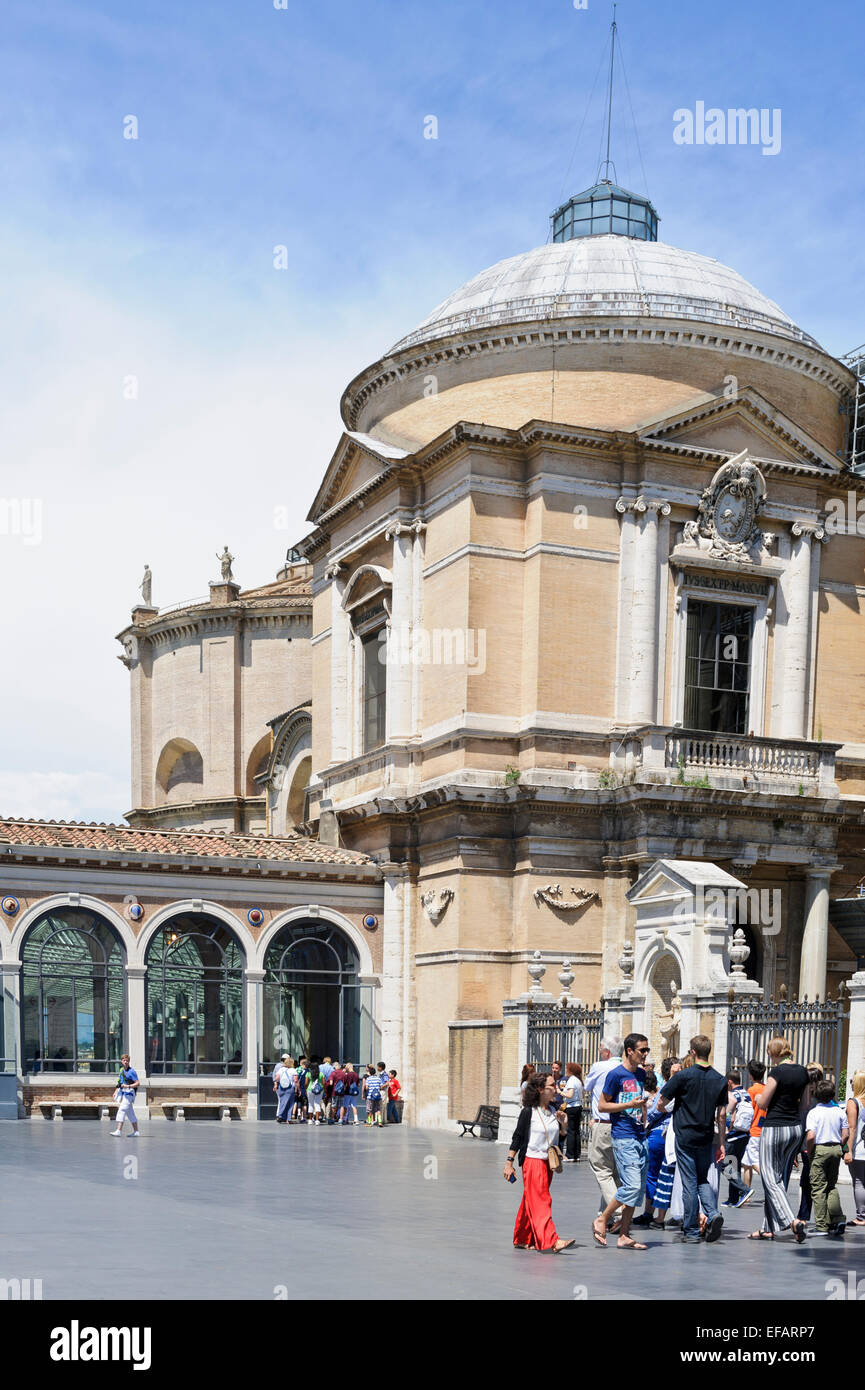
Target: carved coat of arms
[(727, 522)]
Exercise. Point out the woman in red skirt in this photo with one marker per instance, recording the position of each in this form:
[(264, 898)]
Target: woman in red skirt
[(537, 1128)]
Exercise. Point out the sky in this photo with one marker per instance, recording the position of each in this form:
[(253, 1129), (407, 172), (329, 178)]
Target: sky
[(165, 389)]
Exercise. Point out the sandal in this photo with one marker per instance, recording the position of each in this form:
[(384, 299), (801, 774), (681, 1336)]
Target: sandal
[(562, 1245), (626, 1243), (598, 1239), (800, 1231), (761, 1235)]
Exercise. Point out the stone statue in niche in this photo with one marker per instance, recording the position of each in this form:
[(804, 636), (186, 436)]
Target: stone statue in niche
[(669, 1024)]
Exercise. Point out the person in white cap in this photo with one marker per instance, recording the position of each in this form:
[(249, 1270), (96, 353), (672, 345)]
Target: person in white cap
[(285, 1086)]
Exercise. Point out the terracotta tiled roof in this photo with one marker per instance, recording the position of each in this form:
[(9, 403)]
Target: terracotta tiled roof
[(194, 844), (300, 587)]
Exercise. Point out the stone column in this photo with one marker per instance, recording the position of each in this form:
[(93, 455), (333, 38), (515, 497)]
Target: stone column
[(399, 647), (392, 1021), (796, 590), (856, 1032), (136, 1029), (417, 528), (253, 982), (815, 937), (340, 692), (643, 705), (515, 1049), (11, 1105)]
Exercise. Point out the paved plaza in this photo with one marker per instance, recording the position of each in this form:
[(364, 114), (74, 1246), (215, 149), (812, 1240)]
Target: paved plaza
[(234, 1211)]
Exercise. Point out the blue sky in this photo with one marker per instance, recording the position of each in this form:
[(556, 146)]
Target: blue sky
[(303, 127)]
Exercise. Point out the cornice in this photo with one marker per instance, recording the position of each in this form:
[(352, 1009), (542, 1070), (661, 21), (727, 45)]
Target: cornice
[(592, 332)]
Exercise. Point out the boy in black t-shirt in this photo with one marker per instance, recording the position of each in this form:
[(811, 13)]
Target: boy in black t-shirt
[(699, 1121)]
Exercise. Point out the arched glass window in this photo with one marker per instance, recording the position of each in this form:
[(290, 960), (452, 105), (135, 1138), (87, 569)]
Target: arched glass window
[(314, 1003), (72, 989), (195, 998)]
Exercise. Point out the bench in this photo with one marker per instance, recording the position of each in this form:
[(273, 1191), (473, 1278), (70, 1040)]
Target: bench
[(176, 1109), (57, 1110), (486, 1118)]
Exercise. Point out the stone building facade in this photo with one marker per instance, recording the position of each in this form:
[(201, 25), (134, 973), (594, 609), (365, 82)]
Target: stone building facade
[(576, 599)]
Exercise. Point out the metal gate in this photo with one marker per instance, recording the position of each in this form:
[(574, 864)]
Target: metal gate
[(815, 1030), (569, 1034)]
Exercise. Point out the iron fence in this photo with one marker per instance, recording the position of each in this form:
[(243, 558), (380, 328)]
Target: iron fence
[(565, 1034), (815, 1029)]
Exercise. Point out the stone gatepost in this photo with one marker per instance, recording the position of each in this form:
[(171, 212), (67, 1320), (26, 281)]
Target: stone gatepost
[(684, 912), (515, 1046), (856, 1032)]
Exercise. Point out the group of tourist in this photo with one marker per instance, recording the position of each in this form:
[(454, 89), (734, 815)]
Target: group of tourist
[(327, 1092), (662, 1143)]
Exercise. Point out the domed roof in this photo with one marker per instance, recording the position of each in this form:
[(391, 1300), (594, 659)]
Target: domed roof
[(605, 276)]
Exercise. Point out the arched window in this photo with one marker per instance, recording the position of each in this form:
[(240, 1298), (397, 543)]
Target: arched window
[(314, 1002), (72, 992), (195, 998), (367, 601)]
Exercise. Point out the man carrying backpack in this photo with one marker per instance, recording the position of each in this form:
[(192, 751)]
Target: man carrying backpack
[(338, 1088), (740, 1117), (315, 1094), (285, 1085)]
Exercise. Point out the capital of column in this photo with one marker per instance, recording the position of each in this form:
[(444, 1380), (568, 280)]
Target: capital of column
[(334, 570), (254, 977), (399, 528), (643, 504), (809, 528), (390, 870), (136, 972), (821, 870)]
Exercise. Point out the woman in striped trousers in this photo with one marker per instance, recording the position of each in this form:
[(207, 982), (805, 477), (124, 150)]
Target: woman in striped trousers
[(781, 1138)]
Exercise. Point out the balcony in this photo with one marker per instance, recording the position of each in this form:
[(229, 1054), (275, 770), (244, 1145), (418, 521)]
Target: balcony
[(791, 766)]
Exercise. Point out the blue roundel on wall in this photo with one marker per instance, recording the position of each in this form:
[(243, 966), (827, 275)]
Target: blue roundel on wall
[(135, 911), (10, 906), (370, 922), (255, 917)]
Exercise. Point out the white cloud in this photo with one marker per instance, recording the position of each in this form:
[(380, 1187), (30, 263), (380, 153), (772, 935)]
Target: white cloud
[(63, 796)]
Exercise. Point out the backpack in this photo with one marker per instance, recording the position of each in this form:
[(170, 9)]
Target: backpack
[(316, 1086), (352, 1090), (744, 1116), (339, 1088), (286, 1080)]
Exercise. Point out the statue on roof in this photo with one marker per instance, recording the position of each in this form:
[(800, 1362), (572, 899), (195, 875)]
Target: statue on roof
[(146, 587), (225, 561)]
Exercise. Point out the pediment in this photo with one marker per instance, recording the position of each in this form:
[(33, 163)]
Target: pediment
[(680, 878), (661, 886), (729, 425), (357, 462)]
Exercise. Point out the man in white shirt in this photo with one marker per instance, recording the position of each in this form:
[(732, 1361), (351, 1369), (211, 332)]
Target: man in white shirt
[(601, 1160)]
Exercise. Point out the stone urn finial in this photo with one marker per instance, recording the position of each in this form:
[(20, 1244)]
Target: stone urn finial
[(626, 961), (739, 953), (537, 971), (566, 978)]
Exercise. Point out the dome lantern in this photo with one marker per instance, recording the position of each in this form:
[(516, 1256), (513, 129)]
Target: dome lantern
[(603, 210)]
